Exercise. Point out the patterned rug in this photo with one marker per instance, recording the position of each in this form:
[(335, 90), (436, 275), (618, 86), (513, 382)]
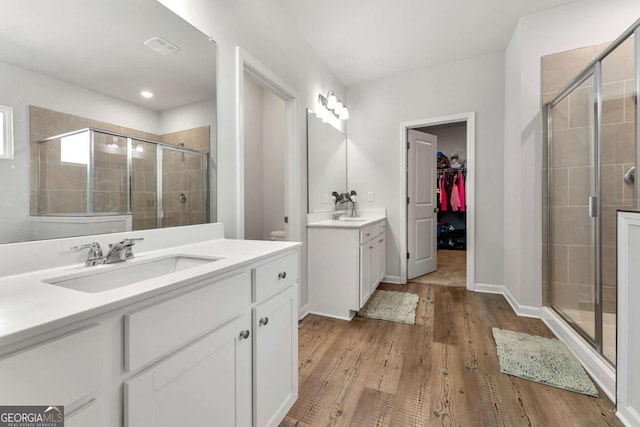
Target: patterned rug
[(544, 360), (392, 306)]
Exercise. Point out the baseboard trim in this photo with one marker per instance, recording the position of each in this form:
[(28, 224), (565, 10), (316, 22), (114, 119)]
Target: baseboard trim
[(304, 311), (333, 316), (520, 310), (628, 416), (596, 366), (392, 279)]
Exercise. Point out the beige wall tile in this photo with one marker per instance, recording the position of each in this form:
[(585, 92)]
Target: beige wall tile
[(581, 106), (581, 264), (612, 185), (572, 147), (619, 64), (613, 99), (609, 266), (560, 68), (618, 143), (629, 100), (560, 264), (560, 187), (580, 185), (571, 226)]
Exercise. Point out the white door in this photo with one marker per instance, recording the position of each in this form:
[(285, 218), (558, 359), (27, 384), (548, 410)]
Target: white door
[(208, 383), (275, 354), (422, 204)]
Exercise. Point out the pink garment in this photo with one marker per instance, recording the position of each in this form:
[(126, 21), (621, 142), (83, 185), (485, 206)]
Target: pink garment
[(455, 198), (462, 193), (444, 199)]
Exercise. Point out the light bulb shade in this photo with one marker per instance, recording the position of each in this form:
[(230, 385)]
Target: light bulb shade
[(338, 107), (344, 113), (332, 100)]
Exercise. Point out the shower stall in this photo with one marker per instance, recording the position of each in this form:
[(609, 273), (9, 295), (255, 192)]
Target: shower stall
[(589, 167), (92, 172)]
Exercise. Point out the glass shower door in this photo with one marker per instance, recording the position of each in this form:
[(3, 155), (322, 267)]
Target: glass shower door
[(572, 239)]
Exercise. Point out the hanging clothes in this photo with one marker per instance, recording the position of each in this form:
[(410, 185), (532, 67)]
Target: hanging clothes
[(444, 199), (455, 194), (462, 193)]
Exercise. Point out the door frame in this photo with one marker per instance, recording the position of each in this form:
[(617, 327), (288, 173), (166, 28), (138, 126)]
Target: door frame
[(470, 119), (269, 80)]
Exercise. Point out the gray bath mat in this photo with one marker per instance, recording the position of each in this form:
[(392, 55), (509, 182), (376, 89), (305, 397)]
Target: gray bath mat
[(392, 306), (544, 360)]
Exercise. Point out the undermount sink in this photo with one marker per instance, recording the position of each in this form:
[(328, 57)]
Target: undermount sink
[(107, 277), (353, 218)]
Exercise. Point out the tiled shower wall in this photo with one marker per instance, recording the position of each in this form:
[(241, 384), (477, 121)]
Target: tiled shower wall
[(61, 188), (571, 245)]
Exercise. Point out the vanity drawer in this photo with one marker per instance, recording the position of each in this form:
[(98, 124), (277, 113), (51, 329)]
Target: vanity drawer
[(154, 331), (366, 234), (271, 278), (59, 372)]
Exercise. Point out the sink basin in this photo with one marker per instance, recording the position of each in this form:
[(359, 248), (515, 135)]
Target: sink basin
[(112, 276), (353, 218)]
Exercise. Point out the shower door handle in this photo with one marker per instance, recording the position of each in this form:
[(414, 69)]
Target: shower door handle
[(593, 206)]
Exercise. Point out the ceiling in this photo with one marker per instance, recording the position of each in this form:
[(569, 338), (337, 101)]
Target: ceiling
[(99, 45), (363, 40)]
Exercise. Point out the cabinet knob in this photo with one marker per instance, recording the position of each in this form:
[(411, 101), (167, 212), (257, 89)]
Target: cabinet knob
[(244, 334), (370, 247), (282, 275), (263, 321), (381, 240), (368, 234)]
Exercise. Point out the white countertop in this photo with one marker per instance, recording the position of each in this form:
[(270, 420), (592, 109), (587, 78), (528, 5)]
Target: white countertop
[(29, 306), (347, 223)]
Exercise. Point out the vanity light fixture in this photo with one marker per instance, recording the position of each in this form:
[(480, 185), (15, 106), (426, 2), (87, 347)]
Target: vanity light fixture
[(334, 105), (146, 94)]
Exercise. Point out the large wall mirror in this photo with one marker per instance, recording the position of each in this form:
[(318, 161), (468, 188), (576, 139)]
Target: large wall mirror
[(327, 162), (114, 119)]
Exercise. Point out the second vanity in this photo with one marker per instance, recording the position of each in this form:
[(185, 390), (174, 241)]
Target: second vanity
[(346, 263), (216, 340)]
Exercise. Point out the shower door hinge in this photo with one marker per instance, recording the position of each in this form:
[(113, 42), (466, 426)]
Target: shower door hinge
[(408, 145), (408, 200), (286, 220), (408, 256)]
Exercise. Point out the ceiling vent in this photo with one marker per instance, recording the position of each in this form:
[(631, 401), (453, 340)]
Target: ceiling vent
[(161, 46)]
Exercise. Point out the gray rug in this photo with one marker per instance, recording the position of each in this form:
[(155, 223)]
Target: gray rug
[(392, 306), (544, 360)]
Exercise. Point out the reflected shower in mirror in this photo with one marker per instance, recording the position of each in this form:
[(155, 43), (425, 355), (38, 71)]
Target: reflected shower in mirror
[(114, 119), (327, 163)]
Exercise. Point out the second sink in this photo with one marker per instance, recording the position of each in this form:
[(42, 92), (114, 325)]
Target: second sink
[(105, 278)]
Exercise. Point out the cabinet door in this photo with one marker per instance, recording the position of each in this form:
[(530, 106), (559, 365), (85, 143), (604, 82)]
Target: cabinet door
[(207, 383), (382, 257), (365, 272), (275, 353), (374, 277)]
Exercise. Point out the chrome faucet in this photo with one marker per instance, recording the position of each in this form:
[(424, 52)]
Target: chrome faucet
[(121, 251), (95, 253)]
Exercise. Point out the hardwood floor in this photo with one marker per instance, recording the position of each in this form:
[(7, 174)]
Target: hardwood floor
[(452, 269), (442, 371)]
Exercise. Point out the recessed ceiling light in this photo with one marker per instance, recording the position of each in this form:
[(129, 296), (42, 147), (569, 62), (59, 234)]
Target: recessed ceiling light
[(162, 46), (146, 94)]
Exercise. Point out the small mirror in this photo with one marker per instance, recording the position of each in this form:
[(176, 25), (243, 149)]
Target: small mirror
[(327, 163), (114, 119)]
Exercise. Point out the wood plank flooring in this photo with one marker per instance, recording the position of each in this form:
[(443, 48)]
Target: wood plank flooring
[(442, 371)]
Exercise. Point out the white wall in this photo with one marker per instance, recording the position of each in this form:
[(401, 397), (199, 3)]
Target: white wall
[(273, 162), (264, 30), (253, 173), (22, 88), (377, 108), (264, 161), (578, 24)]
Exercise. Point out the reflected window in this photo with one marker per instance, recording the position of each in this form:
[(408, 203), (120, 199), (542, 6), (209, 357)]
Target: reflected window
[(75, 148), (6, 132)]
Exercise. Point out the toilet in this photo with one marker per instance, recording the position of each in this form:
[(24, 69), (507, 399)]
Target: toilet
[(277, 235)]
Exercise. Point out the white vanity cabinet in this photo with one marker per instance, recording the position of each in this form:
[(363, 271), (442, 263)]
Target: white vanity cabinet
[(219, 351), (346, 264)]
